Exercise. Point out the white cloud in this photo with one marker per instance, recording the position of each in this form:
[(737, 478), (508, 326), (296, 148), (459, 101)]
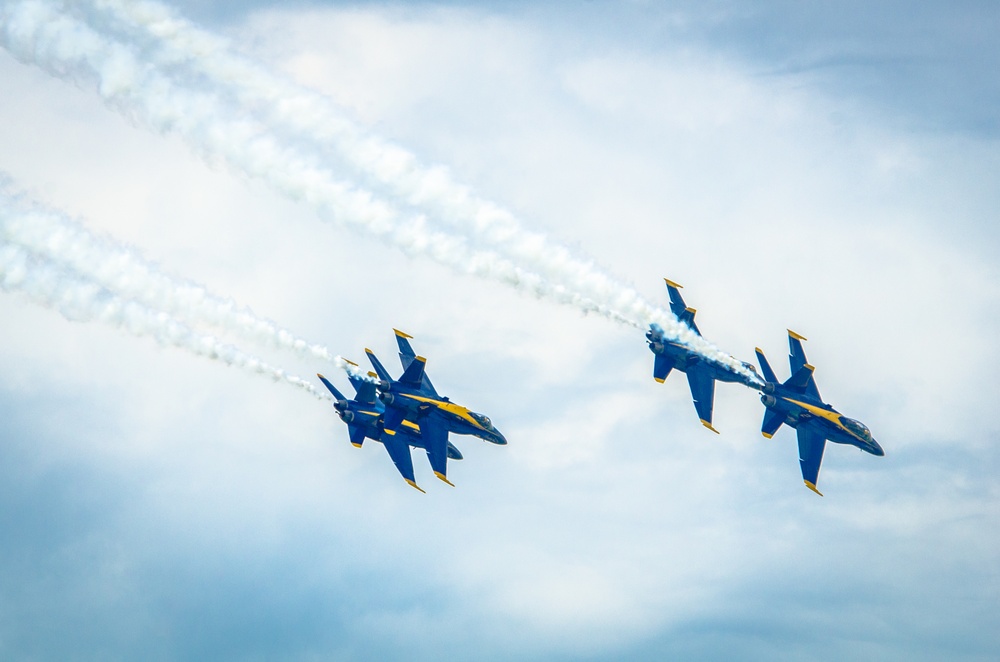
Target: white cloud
[(613, 519)]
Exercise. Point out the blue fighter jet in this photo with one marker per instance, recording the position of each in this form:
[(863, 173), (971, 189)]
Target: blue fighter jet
[(797, 403), (701, 373), (364, 416), (412, 398)]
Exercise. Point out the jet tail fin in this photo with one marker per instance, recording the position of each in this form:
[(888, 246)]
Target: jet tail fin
[(330, 387), (765, 367), (380, 370)]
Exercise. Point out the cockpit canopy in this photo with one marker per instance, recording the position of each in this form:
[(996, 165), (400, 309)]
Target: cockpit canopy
[(482, 420), (857, 428)]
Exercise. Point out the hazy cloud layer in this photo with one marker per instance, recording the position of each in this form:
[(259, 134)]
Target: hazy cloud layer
[(156, 505)]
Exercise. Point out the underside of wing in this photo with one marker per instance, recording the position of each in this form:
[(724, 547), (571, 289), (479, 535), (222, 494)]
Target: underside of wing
[(811, 446), (399, 451), (435, 436), (703, 392)]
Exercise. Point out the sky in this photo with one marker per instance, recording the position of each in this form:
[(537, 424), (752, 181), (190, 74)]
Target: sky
[(827, 169)]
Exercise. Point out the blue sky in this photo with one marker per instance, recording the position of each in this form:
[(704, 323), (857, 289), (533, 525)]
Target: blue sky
[(794, 166)]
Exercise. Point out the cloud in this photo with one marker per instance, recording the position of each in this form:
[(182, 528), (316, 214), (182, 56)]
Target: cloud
[(227, 517)]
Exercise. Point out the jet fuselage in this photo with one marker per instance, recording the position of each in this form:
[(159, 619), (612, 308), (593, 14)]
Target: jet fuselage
[(802, 411)]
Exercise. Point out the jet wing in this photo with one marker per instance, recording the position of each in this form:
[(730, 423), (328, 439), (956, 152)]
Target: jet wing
[(703, 391), (772, 421), (811, 446), (399, 451), (435, 436)]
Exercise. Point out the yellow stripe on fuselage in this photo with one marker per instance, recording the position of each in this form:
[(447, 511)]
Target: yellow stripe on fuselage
[(450, 407), (831, 415)]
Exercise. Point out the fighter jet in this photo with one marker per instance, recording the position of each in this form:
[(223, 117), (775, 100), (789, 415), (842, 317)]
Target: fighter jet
[(797, 402), (364, 417), (701, 373), (412, 398)]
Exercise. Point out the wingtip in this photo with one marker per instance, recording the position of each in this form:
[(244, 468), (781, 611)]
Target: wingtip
[(673, 284), (812, 487), (351, 362), (796, 335), (809, 367), (402, 334), (709, 426), (414, 485), (368, 351), (659, 379), (320, 376), (421, 359), (355, 445), (444, 478), (767, 435), (758, 350)]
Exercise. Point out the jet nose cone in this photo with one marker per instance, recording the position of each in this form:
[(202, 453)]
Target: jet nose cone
[(500, 439), (876, 449)]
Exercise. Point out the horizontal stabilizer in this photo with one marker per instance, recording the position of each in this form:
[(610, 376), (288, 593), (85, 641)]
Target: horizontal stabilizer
[(357, 434), (772, 421), (662, 365)]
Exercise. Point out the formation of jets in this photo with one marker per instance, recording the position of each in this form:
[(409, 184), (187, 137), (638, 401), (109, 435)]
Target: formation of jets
[(408, 412), (795, 402)]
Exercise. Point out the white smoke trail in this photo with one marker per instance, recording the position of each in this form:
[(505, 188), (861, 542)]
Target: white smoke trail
[(38, 32), (35, 31), (124, 271), (175, 44), (53, 286)]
